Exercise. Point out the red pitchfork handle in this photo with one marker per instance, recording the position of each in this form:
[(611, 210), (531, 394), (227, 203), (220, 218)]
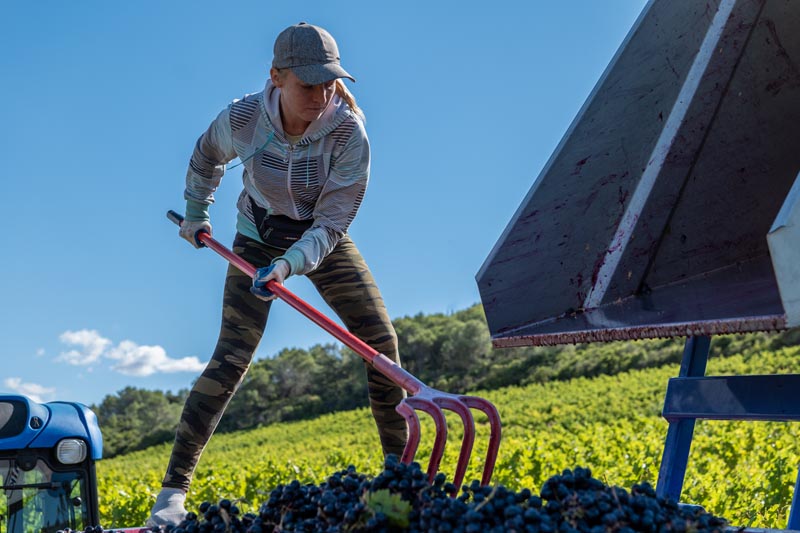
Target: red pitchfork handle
[(424, 398), (408, 382)]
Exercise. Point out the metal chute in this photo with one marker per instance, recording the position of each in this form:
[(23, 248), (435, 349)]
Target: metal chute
[(651, 217)]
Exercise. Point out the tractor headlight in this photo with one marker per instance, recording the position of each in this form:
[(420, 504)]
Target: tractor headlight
[(71, 451)]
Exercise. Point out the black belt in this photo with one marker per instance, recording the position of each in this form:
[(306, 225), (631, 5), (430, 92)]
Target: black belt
[(278, 231)]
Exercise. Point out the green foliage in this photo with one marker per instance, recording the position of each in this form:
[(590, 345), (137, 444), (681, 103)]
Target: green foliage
[(134, 419), (449, 352), (297, 384), (396, 509), (742, 471)]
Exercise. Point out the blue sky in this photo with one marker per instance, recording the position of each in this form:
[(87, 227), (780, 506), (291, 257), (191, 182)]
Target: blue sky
[(101, 103)]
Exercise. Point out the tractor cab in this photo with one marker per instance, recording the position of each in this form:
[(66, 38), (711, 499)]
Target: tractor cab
[(47, 466)]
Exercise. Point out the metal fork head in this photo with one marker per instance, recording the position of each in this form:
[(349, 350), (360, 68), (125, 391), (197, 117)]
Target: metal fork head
[(433, 402)]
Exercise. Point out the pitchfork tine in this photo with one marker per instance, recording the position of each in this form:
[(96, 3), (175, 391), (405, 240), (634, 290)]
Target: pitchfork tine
[(490, 411), (412, 420), (467, 441), (424, 404)]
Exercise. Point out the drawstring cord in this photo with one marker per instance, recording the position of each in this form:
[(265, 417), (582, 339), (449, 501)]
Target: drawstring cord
[(263, 147)]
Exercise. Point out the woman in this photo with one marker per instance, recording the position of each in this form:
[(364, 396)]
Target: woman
[(306, 165)]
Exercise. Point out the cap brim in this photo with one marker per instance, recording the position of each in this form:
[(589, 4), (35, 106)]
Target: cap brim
[(316, 74)]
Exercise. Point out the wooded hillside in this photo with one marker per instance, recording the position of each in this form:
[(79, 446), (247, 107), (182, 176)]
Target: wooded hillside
[(451, 352)]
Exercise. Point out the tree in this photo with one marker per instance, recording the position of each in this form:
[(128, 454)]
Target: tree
[(137, 418)]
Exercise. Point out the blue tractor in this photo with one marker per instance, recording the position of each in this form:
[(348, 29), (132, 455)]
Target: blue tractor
[(47, 463)]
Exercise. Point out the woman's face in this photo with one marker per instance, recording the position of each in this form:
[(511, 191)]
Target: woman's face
[(300, 103)]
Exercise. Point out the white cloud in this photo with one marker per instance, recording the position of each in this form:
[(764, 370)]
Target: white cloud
[(91, 346), (34, 391), (135, 360), (131, 359)]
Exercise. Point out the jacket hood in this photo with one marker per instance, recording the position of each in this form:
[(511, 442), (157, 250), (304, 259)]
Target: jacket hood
[(336, 112)]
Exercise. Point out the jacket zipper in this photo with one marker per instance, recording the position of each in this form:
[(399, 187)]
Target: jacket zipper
[(290, 157)]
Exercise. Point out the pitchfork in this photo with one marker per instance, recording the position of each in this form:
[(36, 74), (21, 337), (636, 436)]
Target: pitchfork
[(422, 397)]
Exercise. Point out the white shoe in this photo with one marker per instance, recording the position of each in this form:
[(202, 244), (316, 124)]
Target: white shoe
[(168, 509)]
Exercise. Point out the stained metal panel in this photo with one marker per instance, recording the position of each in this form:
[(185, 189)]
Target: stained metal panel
[(650, 218)]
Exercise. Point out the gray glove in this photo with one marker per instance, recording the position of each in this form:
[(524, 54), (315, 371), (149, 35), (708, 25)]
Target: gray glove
[(169, 508), (190, 229)]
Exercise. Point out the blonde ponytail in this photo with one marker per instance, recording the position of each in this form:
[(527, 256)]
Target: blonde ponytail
[(347, 96)]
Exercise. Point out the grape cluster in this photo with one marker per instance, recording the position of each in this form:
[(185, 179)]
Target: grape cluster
[(582, 503), (401, 499), (294, 507)]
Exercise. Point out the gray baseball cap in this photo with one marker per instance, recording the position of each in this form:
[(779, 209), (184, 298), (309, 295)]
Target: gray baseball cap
[(310, 52)]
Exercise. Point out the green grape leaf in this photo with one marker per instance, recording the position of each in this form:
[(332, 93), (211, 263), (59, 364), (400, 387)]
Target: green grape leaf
[(396, 509)]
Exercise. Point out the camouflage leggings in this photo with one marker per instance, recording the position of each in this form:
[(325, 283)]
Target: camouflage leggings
[(346, 284)]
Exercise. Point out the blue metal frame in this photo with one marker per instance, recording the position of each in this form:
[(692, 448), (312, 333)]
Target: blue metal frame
[(680, 432), (693, 395)]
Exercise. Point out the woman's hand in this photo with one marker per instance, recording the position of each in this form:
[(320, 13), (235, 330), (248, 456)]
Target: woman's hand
[(278, 271), (189, 231)]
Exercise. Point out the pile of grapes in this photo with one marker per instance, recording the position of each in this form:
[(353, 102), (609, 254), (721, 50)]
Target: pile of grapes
[(401, 499)]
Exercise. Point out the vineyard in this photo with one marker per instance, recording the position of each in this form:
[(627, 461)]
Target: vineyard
[(611, 424)]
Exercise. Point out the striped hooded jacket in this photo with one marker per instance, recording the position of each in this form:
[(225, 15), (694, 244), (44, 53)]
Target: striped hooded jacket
[(322, 177)]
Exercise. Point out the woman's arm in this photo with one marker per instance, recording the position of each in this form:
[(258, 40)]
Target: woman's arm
[(207, 165)]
